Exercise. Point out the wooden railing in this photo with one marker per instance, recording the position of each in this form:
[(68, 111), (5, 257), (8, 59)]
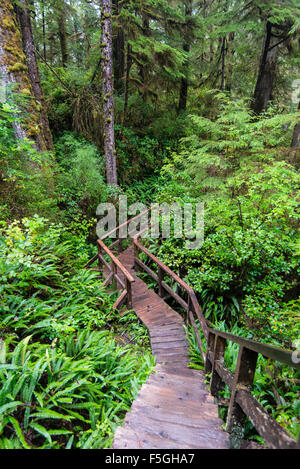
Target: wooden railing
[(242, 403), (115, 266)]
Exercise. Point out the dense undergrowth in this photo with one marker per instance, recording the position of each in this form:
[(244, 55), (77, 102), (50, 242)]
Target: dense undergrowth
[(65, 381)]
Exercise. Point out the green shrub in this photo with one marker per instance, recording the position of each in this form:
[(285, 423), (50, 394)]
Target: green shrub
[(64, 380)]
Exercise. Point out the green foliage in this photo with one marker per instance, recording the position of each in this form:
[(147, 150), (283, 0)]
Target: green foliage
[(82, 178), (64, 381), (138, 157), (231, 143), (276, 386), (26, 175), (248, 266)]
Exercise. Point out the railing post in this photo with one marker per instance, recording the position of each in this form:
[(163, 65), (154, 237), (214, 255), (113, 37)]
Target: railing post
[(190, 309), (160, 280), (99, 259), (244, 376), (120, 244), (129, 293), (216, 382), (210, 348), (114, 273), (136, 254)]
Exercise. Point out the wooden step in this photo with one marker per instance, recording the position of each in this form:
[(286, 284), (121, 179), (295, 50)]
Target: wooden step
[(173, 409)]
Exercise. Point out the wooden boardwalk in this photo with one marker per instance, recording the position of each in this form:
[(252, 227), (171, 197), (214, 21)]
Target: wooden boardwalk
[(174, 409)]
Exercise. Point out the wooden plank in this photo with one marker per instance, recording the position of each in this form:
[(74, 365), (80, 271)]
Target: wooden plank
[(182, 434)]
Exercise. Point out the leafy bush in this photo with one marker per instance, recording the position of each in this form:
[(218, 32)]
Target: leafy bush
[(276, 386), (64, 380), (137, 156), (27, 176), (82, 180)]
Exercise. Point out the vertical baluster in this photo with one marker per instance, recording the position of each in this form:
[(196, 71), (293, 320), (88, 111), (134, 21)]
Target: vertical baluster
[(244, 376), (129, 293), (136, 254), (210, 348), (216, 383), (160, 280), (120, 244), (99, 253), (114, 272)]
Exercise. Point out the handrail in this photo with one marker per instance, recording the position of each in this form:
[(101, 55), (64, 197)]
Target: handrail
[(242, 403), (116, 262), (118, 228)]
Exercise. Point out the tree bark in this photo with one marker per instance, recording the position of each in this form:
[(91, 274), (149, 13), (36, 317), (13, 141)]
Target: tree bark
[(63, 37), (108, 93), (223, 53), (118, 53), (127, 74), (296, 133), (44, 138), (14, 72), (265, 81), (44, 32)]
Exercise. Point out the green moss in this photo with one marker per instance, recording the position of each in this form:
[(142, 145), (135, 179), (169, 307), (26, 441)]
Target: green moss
[(17, 67), (9, 24), (26, 91)]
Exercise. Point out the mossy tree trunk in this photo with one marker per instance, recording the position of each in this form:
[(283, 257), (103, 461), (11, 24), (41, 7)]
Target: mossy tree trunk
[(108, 93), (62, 34), (14, 72), (44, 140)]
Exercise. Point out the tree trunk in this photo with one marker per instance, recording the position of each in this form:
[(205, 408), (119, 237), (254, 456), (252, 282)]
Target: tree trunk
[(14, 72), (108, 93), (186, 47), (44, 140), (264, 85), (143, 69), (296, 133), (63, 37), (118, 53), (230, 61), (223, 54), (183, 94), (44, 32), (127, 74)]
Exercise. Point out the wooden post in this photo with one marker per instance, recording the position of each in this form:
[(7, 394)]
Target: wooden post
[(129, 294), (216, 383), (244, 376), (210, 348), (136, 254), (160, 280), (190, 309), (120, 246), (114, 272), (99, 258)]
